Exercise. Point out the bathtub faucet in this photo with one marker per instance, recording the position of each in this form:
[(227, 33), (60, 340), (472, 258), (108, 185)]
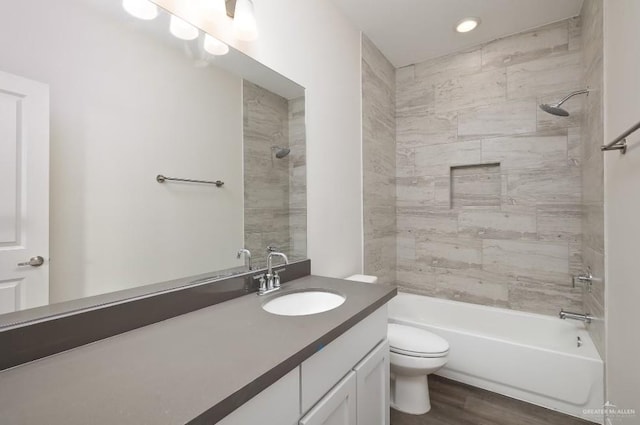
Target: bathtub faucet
[(575, 316)]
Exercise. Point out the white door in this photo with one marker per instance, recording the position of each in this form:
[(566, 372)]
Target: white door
[(24, 193), (338, 407), (372, 375)]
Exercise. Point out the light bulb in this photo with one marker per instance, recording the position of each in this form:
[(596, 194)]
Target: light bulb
[(244, 21), (215, 46), (141, 9), (214, 6), (467, 24), (182, 29)]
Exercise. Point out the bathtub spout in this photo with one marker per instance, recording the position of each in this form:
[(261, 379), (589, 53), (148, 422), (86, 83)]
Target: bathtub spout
[(575, 316)]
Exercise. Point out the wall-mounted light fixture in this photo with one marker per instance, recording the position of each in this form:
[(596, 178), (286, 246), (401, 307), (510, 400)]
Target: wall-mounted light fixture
[(244, 21), (182, 29), (214, 46), (141, 9)]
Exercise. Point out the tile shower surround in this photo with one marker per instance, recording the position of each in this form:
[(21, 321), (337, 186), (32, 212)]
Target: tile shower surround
[(593, 167), (379, 164), (275, 189), (488, 200)]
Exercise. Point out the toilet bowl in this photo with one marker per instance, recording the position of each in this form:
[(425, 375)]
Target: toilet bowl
[(414, 354)]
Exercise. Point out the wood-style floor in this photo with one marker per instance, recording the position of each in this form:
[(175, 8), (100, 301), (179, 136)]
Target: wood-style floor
[(453, 403)]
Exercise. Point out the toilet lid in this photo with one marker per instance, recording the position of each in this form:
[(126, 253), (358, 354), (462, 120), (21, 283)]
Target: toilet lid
[(416, 342)]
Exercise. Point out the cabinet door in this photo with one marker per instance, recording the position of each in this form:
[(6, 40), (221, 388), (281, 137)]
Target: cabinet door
[(338, 407), (277, 404), (372, 376)]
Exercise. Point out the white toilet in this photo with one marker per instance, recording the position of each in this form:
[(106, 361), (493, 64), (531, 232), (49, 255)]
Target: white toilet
[(415, 353)]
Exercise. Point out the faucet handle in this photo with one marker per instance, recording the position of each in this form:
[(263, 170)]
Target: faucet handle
[(262, 281)]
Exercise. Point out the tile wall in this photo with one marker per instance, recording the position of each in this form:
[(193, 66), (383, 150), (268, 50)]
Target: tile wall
[(489, 187), (592, 166), (274, 189), (379, 163)]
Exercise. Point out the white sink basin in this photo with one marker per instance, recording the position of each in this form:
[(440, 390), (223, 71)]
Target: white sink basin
[(303, 303)]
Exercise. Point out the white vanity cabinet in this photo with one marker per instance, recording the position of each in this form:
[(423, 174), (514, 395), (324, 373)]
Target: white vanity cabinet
[(372, 376), (345, 383), (338, 407), (361, 398), (277, 405)]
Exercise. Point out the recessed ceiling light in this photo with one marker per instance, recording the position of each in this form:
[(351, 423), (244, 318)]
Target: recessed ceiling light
[(467, 24)]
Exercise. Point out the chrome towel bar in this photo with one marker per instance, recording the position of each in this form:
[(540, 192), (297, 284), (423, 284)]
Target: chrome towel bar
[(161, 179), (620, 142)]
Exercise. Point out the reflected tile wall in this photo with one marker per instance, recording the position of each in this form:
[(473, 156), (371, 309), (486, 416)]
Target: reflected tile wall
[(274, 189), (504, 229), (379, 159)]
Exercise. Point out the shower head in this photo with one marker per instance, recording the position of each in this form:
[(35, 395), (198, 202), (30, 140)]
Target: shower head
[(281, 152), (555, 109)]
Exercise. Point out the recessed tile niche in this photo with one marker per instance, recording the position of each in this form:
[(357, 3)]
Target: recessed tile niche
[(478, 185)]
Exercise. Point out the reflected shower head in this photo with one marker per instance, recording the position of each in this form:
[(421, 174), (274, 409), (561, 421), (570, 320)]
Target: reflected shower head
[(555, 109), (281, 152)]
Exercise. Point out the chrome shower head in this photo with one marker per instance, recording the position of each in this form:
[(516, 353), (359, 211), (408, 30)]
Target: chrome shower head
[(281, 152), (555, 109)]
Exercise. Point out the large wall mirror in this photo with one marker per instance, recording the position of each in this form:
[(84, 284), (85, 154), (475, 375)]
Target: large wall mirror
[(94, 105)]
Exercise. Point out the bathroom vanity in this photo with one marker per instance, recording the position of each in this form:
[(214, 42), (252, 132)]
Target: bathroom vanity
[(230, 363)]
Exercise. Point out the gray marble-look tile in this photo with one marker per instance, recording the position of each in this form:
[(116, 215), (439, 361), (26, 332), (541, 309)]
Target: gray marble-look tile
[(472, 286), (547, 186), (574, 147), (526, 151), (560, 222), (415, 191), (526, 46), (454, 65), (405, 162), (419, 221), (545, 76), (528, 295), (575, 33), (406, 246), (437, 160), (480, 224), (488, 87), (526, 258), (379, 162), (503, 119), (449, 252), (423, 127)]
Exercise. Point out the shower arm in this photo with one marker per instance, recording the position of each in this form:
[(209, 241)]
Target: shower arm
[(570, 95)]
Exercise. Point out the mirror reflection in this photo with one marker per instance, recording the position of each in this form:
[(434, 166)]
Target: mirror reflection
[(95, 104)]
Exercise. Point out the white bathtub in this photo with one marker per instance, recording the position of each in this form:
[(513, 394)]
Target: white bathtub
[(530, 357)]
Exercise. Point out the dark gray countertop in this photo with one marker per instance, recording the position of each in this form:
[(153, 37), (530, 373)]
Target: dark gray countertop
[(200, 365)]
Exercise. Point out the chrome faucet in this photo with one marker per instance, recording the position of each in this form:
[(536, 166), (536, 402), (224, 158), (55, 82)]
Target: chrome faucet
[(575, 316), (247, 256), (270, 281)]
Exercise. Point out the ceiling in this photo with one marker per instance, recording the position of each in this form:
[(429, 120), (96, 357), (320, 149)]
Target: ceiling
[(412, 31)]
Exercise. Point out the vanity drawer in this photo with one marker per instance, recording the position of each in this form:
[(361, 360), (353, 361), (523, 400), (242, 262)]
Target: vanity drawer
[(324, 369)]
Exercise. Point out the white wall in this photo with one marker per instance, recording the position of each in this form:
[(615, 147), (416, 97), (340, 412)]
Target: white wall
[(622, 205), (125, 107), (312, 43)]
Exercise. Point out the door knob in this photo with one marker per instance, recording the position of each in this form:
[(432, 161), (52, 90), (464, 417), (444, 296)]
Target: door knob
[(33, 262)]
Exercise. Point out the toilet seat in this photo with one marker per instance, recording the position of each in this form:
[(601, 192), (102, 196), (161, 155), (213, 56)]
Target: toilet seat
[(415, 342)]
